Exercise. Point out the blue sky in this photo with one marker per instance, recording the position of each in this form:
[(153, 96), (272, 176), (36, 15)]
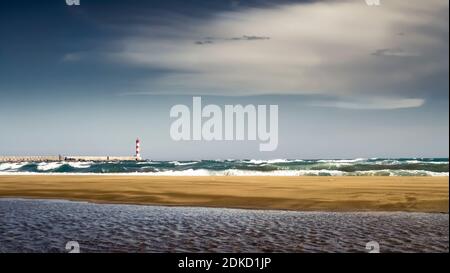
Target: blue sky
[(350, 80)]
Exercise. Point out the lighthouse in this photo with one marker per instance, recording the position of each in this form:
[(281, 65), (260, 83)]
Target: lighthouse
[(138, 149)]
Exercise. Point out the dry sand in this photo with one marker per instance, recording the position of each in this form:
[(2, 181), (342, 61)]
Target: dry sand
[(419, 194)]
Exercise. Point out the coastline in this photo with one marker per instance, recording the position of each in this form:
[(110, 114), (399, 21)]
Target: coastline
[(301, 193)]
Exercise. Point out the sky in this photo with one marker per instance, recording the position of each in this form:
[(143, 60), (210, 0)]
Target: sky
[(350, 80)]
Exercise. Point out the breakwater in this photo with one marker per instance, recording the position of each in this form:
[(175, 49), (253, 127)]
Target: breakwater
[(65, 158)]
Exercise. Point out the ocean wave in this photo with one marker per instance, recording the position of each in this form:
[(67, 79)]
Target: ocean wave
[(178, 163), (46, 166), (342, 160), (235, 172), (148, 162), (80, 165), (388, 172), (426, 162), (271, 161), (271, 167), (12, 166)]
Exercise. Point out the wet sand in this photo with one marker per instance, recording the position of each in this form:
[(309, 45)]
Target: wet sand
[(303, 193)]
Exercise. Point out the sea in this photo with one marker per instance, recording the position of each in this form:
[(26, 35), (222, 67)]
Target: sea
[(35, 226), (250, 167)]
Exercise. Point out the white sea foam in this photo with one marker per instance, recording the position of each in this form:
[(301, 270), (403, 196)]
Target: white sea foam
[(178, 163), (234, 172), (400, 173), (387, 162), (426, 162), (12, 166), (342, 160), (46, 166), (148, 162), (273, 161), (80, 165)]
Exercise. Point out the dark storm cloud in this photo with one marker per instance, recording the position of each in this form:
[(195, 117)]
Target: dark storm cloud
[(111, 39)]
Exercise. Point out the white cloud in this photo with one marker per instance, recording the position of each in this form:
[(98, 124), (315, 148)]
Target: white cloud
[(327, 48)]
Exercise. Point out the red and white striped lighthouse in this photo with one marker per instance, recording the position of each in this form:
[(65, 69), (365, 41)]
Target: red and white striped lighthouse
[(138, 149)]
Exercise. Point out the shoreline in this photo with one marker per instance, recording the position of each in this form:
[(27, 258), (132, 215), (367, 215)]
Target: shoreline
[(302, 193), (94, 202), (137, 174)]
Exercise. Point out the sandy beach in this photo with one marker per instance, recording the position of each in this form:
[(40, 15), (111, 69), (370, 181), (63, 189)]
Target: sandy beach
[(303, 193)]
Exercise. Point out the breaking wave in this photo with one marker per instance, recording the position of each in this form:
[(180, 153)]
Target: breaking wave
[(248, 167)]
